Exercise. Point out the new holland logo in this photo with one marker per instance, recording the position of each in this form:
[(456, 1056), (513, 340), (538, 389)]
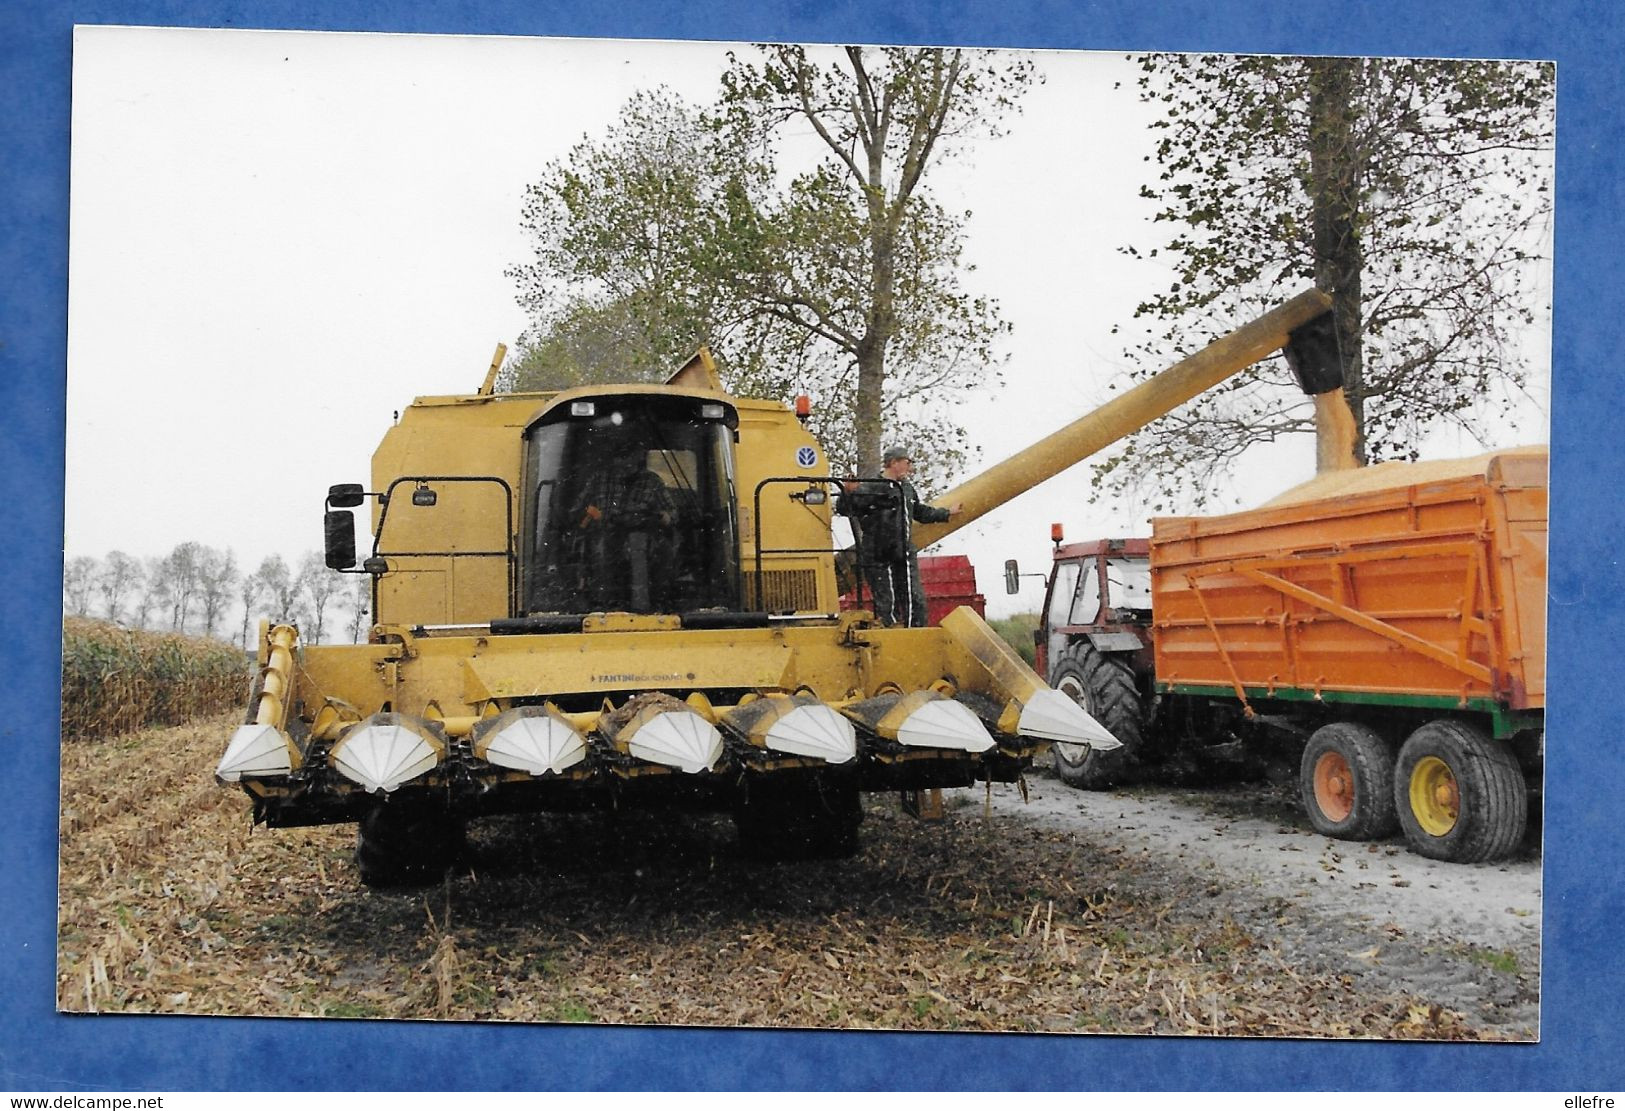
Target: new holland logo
[(806, 456)]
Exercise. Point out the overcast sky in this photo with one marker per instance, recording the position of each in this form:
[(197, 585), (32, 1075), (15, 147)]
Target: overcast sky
[(278, 239)]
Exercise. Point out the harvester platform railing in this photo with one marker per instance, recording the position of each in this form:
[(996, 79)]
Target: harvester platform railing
[(508, 553), (838, 487)]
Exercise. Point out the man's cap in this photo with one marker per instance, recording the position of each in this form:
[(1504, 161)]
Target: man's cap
[(893, 454)]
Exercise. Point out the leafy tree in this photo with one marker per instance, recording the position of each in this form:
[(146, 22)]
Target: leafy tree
[(856, 255), (1416, 192), (818, 264), (619, 290)]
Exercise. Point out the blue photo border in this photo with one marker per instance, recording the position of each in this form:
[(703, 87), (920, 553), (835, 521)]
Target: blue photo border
[(1582, 975)]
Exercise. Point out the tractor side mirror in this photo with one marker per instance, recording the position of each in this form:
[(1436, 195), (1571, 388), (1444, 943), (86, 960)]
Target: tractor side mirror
[(339, 527), (1012, 577)]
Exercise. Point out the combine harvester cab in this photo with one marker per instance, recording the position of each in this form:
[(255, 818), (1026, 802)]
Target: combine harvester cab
[(627, 596)]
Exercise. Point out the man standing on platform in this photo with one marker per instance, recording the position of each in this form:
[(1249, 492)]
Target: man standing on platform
[(890, 562)]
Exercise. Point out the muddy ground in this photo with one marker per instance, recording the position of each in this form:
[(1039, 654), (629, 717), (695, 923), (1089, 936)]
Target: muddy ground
[(1151, 911)]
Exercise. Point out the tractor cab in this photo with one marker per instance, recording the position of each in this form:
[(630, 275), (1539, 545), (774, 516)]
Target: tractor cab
[(1099, 590)]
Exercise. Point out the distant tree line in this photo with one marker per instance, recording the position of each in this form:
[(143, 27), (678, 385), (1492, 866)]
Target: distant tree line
[(200, 590)]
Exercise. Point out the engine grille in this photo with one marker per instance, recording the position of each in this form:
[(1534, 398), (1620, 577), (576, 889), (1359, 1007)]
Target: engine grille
[(782, 590)]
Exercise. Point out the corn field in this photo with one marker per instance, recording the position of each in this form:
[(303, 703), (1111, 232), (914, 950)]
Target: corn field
[(171, 900), (116, 680)]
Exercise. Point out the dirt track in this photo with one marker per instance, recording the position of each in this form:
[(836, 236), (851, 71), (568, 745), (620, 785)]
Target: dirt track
[(1156, 912)]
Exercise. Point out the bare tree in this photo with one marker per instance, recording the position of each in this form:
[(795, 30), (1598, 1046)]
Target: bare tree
[(120, 577), (157, 584), (216, 576), (79, 576), (281, 589), (183, 566), (317, 583), (249, 589), (360, 600)]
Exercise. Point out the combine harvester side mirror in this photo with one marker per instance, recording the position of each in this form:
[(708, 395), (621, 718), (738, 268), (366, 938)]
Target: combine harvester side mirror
[(1012, 577), (346, 495), (338, 525)]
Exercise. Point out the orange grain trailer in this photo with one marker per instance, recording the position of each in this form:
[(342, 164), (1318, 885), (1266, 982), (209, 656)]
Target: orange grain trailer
[(1383, 628), (1395, 616)]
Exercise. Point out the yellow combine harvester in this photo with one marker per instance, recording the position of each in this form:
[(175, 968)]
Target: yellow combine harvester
[(627, 596)]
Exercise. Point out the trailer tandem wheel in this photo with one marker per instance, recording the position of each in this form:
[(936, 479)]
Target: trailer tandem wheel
[(1346, 782), (1104, 686), (1460, 795)]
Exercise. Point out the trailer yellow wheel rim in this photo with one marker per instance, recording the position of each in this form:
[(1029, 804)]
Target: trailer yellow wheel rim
[(1334, 786), (1435, 798)]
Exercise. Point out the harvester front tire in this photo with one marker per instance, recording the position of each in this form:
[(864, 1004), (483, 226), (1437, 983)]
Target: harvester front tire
[(1104, 686), (797, 819), (1460, 795), (404, 846), (1346, 782)]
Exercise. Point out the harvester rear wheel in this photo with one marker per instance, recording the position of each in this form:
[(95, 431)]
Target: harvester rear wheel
[(1346, 781), (789, 817), (1460, 795), (1104, 686), (404, 846)]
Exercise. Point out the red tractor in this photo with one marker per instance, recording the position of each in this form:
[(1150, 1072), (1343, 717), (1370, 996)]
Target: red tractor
[(1094, 644)]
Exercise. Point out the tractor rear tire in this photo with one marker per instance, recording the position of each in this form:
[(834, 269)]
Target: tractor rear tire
[(1104, 686), (1460, 795), (1346, 782), (407, 846), (791, 817)]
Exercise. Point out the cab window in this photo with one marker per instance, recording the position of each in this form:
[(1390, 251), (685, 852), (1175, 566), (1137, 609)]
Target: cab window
[(1086, 602), (1062, 589)]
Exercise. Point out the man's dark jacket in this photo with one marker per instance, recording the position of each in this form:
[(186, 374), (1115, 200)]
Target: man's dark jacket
[(875, 503)]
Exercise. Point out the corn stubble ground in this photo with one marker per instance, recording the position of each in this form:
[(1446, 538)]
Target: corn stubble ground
[(170, 903)]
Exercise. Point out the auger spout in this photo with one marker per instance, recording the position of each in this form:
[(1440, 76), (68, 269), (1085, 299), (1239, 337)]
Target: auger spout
[(1122, 416)]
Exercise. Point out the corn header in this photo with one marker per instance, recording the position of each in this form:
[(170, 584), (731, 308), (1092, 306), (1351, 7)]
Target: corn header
[(621, 596)]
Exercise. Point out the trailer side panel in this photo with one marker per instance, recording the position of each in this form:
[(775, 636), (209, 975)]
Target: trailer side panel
[(1400, 580)]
